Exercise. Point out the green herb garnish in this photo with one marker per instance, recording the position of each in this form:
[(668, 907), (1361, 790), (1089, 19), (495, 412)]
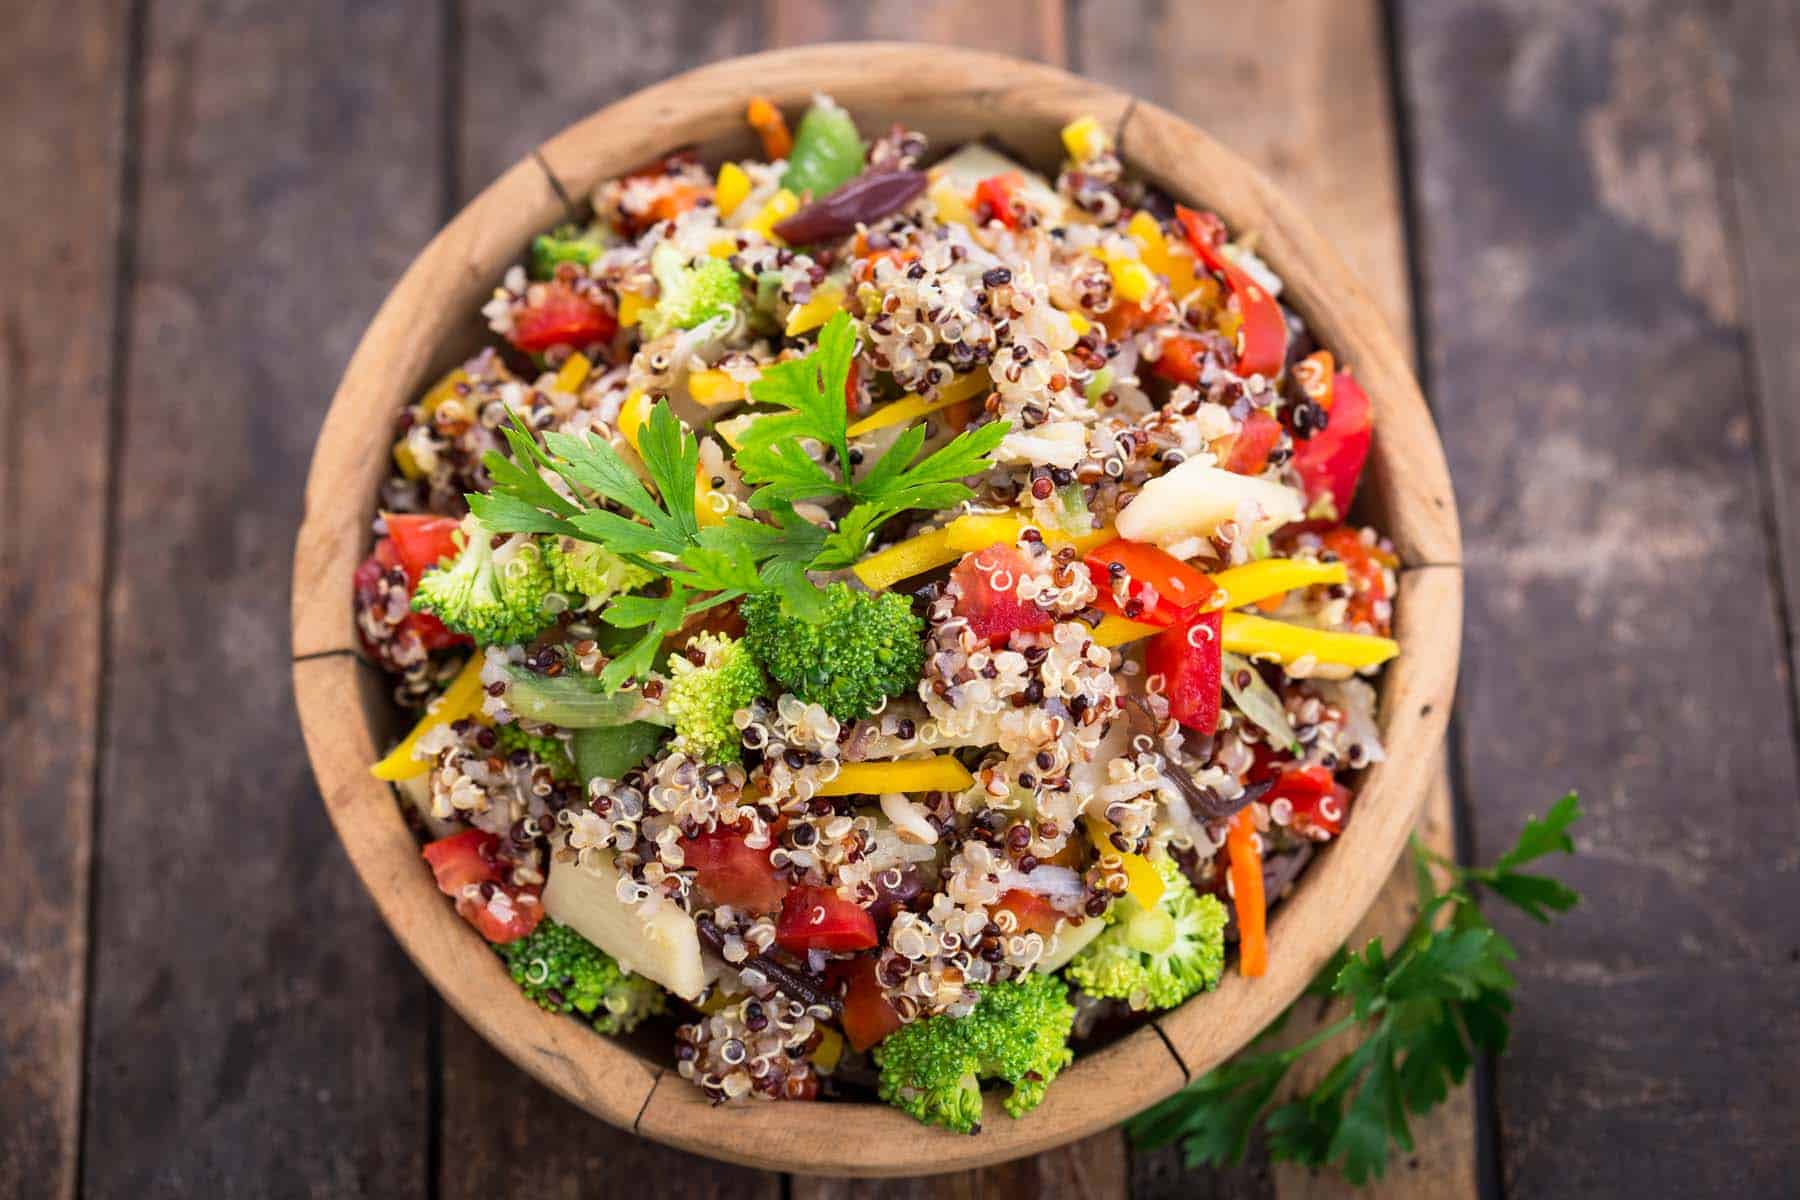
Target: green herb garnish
[(605, 501), (1424, 1012)]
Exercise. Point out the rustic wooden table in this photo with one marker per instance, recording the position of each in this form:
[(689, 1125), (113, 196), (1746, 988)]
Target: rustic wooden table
[(1587, 217)]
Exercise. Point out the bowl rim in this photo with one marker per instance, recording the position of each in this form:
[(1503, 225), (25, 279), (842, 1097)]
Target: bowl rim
[(341, 697)]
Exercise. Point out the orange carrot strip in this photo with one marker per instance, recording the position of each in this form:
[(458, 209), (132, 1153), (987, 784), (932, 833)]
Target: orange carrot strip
[(765, 118), (1247, 894)]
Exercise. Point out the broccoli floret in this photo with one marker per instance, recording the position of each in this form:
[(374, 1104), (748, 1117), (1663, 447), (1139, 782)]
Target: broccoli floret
[(494, 594), (567, 243), (1019, 1032), (863, 648), (701, 697), (1157, 958), (564, 972), (590, 570), (690, 294), (553, 752)]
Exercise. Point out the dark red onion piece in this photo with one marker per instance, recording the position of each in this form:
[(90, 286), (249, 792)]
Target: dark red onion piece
[(863, 199)]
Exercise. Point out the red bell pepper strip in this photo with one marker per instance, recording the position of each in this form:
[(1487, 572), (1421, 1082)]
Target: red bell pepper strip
[(422, 541), (1187, 656), (1180, 589), (1180, 360), (1031, 912), (468, 858), (868, 1016), (996, 198), (988, 580), (1317, 799), (1330, 462), (817, 918), (1245, 873), (1264, 333), (1250, 451), (561, 316)]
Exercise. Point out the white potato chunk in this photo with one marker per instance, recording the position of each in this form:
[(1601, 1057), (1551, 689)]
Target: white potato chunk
[(1194, 499), (664, 946)]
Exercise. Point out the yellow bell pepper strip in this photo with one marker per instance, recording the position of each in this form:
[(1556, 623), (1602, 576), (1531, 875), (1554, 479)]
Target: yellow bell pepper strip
[(632, 414), (715, 388), (632, 308), (782, 205), (940, 774), (1245, 874), (951, 206), (825, 303), (444, 389), (1078, 323), (830, 1048), (911, 408), (1259, 637), (1145, 882), (731, 188), (461, 699), (707, 511), (404, 459), (574, 373), (1084, 139), (1154, 247), (903, 560), (1114, 631), (978, 532), (721, 248), (1131, 278), (1245, 585)]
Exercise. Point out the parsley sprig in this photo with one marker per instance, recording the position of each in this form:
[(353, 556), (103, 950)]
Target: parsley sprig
[(811, 391), (1424, 1012), (603, 500)]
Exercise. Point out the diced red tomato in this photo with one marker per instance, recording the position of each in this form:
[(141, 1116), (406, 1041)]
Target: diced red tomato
[(817, 918), (367, 582), (730, 872), (468, 858), (1179, 588), (561, 316), (1368, 579), (1125, 318), (996, 198), (1181, 359), (1330, 462), (868, 1016), (422, 541), (1033, 913), (1319, 801), (1250, 451), (1264, 333), (990, 599), (1187, 657)]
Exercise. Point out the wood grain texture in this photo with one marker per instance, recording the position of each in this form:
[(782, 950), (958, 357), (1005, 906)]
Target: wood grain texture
[(62, 82), (1589, 363), (253, 1030), (1764, 52), (1093, 1168), (948, 94), (503, 1132), (1023, 28)]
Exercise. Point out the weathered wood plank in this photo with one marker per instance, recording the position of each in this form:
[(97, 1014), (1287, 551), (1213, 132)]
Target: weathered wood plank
[(1589, 361), (1765, 157), (62, 86), (1094, 1168), (1026, 28), (254, 1029), (502, 1132), (1299, 87)]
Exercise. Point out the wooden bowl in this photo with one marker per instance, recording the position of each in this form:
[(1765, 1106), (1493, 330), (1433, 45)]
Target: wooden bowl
[(429, 323)]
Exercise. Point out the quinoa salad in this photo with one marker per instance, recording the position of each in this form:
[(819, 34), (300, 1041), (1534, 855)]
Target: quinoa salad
[(878, 618)]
